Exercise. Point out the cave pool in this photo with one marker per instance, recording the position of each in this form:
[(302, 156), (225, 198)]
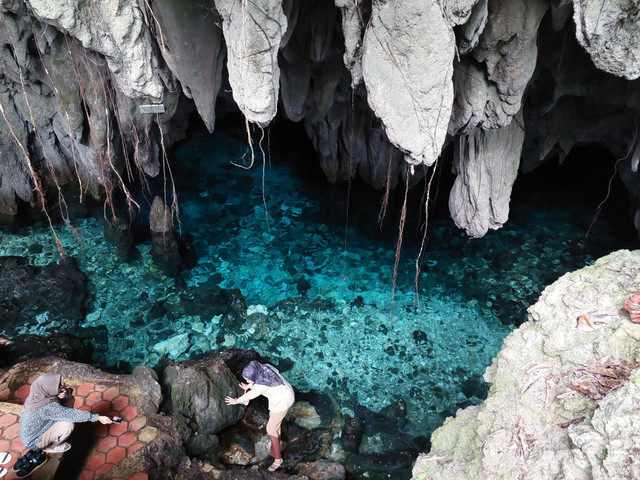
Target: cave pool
[(292, 237)]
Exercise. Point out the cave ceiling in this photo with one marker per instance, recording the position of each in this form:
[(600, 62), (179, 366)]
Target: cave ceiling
[(383, 88)]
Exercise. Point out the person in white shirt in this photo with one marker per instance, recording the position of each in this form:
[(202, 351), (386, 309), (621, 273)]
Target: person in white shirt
[(265, 379)]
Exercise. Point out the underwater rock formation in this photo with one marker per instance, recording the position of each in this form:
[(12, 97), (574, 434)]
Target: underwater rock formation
[(93, 90), (164, 241), (43, 297), (559, 404)]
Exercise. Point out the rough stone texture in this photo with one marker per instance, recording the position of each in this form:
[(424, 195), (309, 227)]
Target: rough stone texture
[(115, 29), (535, 423), (490, 94), (76, 74), (458, 11), (566, 106), (323, 470), (67, 96), (164, 241), (253, 32), (469, 33), (610, 439), (197, 390), (610, 32), (486, 163), (197, 60), (352, 28), (407, 67)]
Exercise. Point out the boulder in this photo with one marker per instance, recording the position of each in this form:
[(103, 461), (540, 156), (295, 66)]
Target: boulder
[(556, 384), (195, 393), (322, 470)]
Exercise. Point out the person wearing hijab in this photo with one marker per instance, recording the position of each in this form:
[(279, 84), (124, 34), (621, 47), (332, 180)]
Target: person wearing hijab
[(45, 423), (264, 379)]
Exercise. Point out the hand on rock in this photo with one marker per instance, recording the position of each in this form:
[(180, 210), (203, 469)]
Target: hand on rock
[(231, 401)]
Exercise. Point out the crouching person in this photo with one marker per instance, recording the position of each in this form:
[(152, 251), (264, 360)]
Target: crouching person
[(45, 424)]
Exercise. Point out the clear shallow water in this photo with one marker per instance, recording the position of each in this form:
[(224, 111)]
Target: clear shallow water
[(263, 238)]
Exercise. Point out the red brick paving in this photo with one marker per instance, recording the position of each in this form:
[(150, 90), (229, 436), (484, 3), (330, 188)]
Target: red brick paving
[(112, 442)]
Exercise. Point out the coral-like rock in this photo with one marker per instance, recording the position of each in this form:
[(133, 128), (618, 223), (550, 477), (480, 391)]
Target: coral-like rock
[(540, 419)]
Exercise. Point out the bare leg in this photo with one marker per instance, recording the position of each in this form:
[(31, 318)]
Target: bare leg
[(275, 447)]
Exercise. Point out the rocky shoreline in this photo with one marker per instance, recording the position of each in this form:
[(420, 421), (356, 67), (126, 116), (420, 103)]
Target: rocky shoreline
[(565, 389), (191, 434)]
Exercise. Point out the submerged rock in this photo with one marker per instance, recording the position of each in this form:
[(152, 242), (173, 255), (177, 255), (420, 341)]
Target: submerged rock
[(164, 241), (51, 296)]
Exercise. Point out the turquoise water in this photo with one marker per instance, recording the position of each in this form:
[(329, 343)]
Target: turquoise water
[(318, 283)]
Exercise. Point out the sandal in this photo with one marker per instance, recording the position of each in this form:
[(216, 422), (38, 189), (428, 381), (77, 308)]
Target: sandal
[(5, 457), (63, 447), (277, 463)]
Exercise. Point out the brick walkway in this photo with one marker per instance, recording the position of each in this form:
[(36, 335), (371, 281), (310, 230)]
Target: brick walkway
[(112, 443)]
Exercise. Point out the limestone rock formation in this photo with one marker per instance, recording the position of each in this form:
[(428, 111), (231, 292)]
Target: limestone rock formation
[(164, 242), (380, 86), (486, 163), (561, 389), (117, 30), (407, 68), (352, 29), (610, 33), (489, 92), (196, 60), (253, 32)]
